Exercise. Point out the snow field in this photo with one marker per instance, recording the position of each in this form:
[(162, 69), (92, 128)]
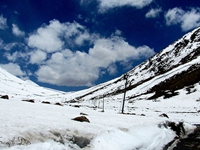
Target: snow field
[(50, 127)]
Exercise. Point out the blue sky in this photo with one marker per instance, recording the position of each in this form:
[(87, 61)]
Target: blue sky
[(74, 44)]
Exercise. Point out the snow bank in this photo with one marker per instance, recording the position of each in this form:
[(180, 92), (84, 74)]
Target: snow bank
[(143, 138)]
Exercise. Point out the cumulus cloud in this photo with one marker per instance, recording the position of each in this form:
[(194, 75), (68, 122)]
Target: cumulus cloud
[(116, 49), (69, 70), (153, 13), (53, 49), (16, 31), (38, 56), (82, 69), (47, 37), (53, 37), (186, 19), (107, 4), (13, 69), (81, 38), (3, 22)]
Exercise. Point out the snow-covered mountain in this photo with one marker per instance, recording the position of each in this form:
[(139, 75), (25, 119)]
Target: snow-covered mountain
[(176, 67), (19, 89)]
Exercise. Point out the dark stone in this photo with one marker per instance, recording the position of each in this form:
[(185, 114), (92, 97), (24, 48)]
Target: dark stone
[(83, 114), (59, 104), (178, 128), (164, 115), (5, 97), (46, 102), (29, 100), (191, 142), (81, 119)]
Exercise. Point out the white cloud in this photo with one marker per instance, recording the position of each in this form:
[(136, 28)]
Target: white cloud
[(67, 53), (13, 69), (38, 56), (70, 71), (116, 49), (47, 37), (16, 31), (186, 19), (81, 38), (118, 32), (11, 57), (112, 69), (17, 56), (77, 68), (9, 46), (80, 68), (153, 13), (107, 4), (3, 22), (56, 35), (174, 16)]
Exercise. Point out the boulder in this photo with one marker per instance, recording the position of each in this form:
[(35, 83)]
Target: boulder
[(4, 97), (29, 100), (81, 119), (164, 115), (59, 104), (44, 102)]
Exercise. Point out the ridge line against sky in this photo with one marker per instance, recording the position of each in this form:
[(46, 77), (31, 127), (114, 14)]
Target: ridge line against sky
[(75, 44)]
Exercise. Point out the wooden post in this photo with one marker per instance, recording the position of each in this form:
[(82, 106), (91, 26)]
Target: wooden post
[(126, 78)]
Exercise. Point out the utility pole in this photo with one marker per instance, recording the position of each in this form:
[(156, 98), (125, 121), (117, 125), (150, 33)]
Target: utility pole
[(126, 78), (103, 104)]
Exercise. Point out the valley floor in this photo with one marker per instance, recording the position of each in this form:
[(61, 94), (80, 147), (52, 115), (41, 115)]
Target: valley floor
[(33, 126)]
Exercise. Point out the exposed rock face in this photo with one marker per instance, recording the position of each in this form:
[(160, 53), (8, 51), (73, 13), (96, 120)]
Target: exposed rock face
[(81, 119), (177, 127)]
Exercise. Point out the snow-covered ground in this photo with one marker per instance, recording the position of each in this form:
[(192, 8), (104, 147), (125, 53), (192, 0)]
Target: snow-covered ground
[(39, 126), (36, 126)]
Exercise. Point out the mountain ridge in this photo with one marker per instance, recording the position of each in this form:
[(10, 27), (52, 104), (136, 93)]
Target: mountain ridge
[(183, 51)]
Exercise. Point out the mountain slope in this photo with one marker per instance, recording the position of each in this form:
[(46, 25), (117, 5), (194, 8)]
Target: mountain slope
[(174, 68), (18, 89)]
